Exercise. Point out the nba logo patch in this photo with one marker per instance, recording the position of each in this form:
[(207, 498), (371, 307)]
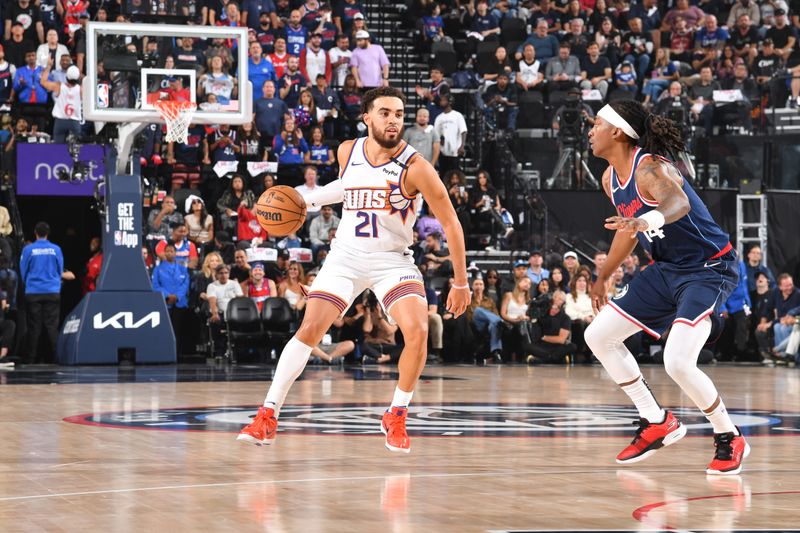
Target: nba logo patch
[(117, 238), (102, 95)]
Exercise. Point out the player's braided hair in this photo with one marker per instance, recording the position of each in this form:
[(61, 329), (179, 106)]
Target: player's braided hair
[(657, 135)]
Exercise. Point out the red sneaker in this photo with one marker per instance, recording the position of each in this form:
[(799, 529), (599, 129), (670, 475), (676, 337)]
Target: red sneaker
[(393, 426), (731, 451), (262, 429), (651, 437)]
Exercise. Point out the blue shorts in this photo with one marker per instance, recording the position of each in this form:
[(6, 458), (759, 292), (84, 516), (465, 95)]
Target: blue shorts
[(664, 293)]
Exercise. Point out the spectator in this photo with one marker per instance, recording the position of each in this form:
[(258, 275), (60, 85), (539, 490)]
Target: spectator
[(701, 96), (319, 229), (27, 14), (259, 70), (161, 221), (648, 12), (783, 35), (199, 224), (269, 113), (320, 155), (16, 45), (30, 93), (258, 288), (185, 250), (625, 78), (744, 7), (292, 82), (482, 313), (530, 75), (536, 272), (501, 104), (570, 267), (595, 71), (279, 270), (577, 39), (493, 287), (549, 14), (736, 312), (681, 41), (290, 148), (314, 60), (421, 136), (559, 279), (240, 271), (451, 127), (42, 269), (326, 101), (514, 310), (484, 23), (637, 45), (360, 24), (220, 293), (781, 316), (579, 309), (436, 254), (310, 183), (345, 13), (221, 144), (171, 278), (267, 32), (205, 276), (351, 99), (93, 266), (664, 72), (249, 144), (369, 64), (486, 203), (563, 72), (237, 195), (572, 12), (693, 15), (67, 107), (292, 288), (432, 94), (754, 266), (51, 49), (218, 82), (501, 64), (744, 39), (296, 34), (553, 346), (456, 181), (59, 75), (192, 153), (767, 67), (280, 57), (379, 345), (305, 112), (544, 43), (340, 60), (743, 83), (710, 41)]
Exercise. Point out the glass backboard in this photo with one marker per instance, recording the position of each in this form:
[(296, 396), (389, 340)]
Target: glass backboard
[(131, 65)]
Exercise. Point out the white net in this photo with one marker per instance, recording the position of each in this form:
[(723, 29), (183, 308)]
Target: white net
[(177, 116)]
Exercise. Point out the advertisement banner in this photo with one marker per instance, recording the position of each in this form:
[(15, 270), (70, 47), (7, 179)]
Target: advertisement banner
[(38, 167)]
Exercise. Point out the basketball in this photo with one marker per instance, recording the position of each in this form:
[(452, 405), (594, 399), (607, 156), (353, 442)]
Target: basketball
[(281, 210)]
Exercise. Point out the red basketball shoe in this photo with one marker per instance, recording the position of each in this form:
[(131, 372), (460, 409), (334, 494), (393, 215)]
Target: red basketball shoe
[(651, 437), (393, 426), (731, 451), (262, 430)]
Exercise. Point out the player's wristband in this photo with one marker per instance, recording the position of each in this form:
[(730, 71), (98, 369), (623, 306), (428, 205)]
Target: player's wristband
[(654, 219), (465, 286)]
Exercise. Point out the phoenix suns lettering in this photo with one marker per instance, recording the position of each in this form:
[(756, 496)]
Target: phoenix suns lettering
[(359, 199)]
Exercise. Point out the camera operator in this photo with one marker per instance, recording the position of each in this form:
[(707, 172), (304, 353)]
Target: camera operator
[(741, 82), (572, 122), (552, 344), (676, 107), (501, 102)]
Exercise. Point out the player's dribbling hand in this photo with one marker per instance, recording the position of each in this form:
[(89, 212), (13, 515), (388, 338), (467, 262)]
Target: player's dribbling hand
[(626, 224), (458, 300)]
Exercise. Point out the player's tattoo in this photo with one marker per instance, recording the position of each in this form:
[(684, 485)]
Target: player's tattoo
[(662, 182)]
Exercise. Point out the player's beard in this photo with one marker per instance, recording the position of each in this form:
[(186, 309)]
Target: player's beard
[(385, 142)]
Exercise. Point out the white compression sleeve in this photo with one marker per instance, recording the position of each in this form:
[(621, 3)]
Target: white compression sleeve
[(680, 360), (290, 365), (332, 193)]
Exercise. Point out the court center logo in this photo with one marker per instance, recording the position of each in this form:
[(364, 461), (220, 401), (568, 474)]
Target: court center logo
[(437, 420)]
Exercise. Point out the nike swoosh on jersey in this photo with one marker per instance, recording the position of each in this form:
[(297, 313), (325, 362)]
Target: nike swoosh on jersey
[(356, 164), (709, 265)]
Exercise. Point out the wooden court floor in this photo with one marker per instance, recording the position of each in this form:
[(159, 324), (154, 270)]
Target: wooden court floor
[(493, 449)]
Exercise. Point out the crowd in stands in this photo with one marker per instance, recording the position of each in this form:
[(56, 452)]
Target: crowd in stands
[(728, 60)]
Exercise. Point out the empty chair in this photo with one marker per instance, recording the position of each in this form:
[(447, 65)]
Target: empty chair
[(243, 325), (277, 320), (485, 57), (532, 111), (513, 29)]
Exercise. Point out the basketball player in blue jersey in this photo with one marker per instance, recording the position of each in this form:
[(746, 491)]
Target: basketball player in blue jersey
[(379, 185), (694, 269)]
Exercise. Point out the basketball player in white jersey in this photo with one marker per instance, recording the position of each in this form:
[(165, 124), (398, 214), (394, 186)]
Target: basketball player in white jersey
[(67, 103), (380, 184)]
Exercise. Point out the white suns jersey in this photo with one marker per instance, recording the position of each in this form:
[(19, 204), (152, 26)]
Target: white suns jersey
[(377, 215)]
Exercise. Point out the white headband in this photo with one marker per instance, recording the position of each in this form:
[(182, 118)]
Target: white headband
[(608, 114)]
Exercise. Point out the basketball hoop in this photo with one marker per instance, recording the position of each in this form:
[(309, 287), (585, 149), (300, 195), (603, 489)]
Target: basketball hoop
[(177, 116)]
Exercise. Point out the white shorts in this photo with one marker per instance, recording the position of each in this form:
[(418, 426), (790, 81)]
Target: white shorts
[(346, 274)]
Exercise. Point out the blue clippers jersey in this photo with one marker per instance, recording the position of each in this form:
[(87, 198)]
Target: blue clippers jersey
[(695, 238)]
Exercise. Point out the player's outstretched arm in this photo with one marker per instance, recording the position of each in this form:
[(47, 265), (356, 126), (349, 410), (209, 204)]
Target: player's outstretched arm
[(422, 177), (332, 193)]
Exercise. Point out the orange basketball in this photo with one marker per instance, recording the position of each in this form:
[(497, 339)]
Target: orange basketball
[(281, 210)]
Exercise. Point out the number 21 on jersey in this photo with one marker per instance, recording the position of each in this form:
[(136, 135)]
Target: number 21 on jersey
[(368, 227)]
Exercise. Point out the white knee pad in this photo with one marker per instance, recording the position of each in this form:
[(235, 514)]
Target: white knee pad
[(680, 361), (605, 336)]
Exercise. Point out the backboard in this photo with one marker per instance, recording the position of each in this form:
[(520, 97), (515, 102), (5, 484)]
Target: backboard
[(128, 66)]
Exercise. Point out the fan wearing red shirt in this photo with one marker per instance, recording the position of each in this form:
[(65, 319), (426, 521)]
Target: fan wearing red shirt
[(280, 57), (185, 250)]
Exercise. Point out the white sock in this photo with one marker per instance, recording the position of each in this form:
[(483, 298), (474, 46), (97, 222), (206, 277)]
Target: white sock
[(642, 397), (401, 398), (721, 420), (290, 365)]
